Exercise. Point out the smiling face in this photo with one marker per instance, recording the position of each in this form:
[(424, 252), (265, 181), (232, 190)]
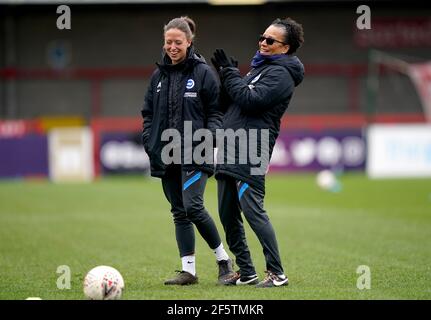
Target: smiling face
[(278, 47), (176, 44)]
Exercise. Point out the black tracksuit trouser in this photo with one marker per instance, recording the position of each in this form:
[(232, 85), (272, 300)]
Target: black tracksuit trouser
[(233, 197), (185, 192)]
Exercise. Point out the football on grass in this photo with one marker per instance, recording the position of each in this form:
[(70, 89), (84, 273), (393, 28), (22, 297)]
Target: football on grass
[(326, 180), (103, 283)]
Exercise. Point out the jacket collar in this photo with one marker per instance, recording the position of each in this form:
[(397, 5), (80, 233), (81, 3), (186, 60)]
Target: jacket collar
[(260, 59), (191, 60)]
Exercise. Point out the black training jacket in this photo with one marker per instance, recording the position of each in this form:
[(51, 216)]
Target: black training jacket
[(256, 101), (197, 90)]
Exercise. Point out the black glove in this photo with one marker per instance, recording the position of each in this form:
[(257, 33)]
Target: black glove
[(234, 62), (221, 60)]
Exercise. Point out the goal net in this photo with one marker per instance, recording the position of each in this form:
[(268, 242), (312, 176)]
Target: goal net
[(398, 84)]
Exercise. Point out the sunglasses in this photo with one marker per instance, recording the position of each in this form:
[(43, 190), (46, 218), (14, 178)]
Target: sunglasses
[(269, 41)]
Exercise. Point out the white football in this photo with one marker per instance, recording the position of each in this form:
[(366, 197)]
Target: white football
[(103, 283), (326, 180)]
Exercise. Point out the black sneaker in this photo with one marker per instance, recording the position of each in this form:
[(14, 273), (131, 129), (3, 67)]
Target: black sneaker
[(225, 270), (183, 278), (272, 280), (237, 280)]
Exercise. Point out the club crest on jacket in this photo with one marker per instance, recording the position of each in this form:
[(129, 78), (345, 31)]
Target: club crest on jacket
[(190, 84)]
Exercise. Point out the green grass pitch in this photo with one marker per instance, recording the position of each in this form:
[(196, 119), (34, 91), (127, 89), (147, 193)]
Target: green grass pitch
[(125, 222)]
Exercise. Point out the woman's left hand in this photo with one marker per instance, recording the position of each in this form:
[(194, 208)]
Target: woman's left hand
[(221, 60)]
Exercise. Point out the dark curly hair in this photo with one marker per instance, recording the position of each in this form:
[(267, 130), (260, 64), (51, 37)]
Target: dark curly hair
[(294, 35)]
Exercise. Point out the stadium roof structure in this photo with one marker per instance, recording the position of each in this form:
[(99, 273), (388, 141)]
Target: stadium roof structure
[(215, 2), (67, 2)]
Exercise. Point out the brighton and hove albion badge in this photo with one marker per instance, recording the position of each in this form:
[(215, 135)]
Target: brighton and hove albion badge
[(190, 84)]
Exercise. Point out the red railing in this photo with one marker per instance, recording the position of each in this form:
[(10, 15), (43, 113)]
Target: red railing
[(352, 73)]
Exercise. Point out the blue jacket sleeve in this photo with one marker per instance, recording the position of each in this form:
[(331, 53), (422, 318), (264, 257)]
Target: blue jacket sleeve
[(271, 88)]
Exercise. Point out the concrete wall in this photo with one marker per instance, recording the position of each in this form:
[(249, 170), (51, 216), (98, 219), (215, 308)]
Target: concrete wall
[(119, 36)]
